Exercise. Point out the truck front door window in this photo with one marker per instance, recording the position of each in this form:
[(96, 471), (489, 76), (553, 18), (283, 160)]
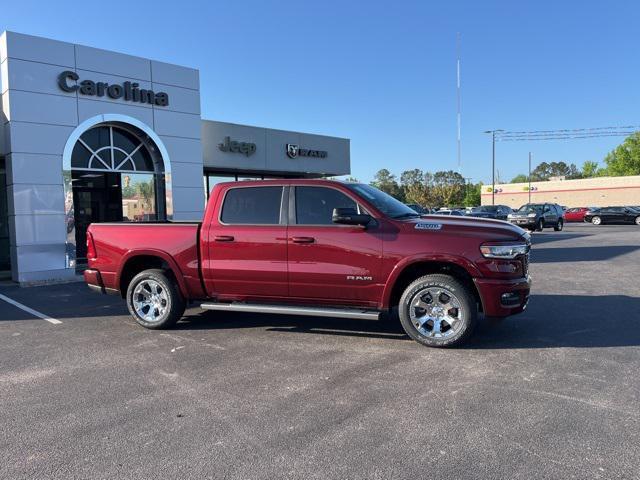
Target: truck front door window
[(314, 205)]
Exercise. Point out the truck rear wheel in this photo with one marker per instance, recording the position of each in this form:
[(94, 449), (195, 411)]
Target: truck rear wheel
[(154, 300), (438, 311)]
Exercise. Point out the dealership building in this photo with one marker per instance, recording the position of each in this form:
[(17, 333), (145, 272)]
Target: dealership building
[(97, 136), (586, 192)]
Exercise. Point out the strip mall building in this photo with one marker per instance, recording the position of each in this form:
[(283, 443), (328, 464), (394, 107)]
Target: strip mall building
[(588, 192), (92, 136)]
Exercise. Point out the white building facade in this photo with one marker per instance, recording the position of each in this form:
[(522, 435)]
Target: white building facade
[(92, 136)]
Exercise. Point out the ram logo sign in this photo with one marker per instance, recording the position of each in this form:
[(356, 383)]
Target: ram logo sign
[(360, 278)]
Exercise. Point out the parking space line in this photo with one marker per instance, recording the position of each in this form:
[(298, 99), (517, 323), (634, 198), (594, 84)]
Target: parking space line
[(30, 310)]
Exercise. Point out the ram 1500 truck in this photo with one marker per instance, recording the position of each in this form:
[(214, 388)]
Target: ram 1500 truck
[(316, 247)]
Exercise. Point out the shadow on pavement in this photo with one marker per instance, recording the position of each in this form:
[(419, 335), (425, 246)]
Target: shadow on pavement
[(69, 300), (580, 254), (555, 321), (548, 237), (551, 321), (209, 320)]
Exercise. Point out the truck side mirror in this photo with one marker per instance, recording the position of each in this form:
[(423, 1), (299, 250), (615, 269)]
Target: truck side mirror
[(350, 216)]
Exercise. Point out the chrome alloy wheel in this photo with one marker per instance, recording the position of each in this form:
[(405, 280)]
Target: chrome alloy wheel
[(436, 312), (596, 220), (150, 300)]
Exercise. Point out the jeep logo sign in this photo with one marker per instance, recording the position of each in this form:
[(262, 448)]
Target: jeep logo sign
[(245, 148), (128, 91), (294, 151)]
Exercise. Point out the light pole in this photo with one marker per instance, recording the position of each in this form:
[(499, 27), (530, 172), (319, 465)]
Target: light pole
[(529, 177), (493, 164)]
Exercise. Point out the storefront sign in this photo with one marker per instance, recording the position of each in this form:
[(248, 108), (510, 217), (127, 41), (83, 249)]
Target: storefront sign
[(232, 146), (294, 151), (128, 91)]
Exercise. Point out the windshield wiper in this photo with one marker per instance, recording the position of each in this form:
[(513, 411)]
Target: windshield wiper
[(405, 215)]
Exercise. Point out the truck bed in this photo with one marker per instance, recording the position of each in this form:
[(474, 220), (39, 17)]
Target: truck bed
[(176, 243)]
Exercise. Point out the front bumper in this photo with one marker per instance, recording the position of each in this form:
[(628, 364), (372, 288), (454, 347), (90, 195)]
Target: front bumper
[(501, 298), (95, 283), (524, 222)]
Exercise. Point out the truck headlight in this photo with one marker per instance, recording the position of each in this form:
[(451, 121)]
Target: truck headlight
[(531, 215), (505, 251)]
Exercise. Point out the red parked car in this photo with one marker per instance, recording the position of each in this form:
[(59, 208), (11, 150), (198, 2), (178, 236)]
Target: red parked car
[(575, 214), (316, 247)]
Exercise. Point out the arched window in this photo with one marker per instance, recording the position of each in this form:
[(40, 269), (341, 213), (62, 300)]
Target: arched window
[(111, 148)]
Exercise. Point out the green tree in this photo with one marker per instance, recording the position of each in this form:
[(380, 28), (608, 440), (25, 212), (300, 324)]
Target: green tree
[(590, 169), (386, 181), (414, 186), (520, 178), (352, 180), (554, 169), (448, 188), (625, 158), (472, 195)]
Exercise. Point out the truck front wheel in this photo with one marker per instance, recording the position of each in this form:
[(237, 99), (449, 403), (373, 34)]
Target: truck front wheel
[(438, 311), (154, 300)]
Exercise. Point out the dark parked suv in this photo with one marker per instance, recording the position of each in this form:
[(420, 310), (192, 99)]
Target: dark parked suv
[(536, 216)]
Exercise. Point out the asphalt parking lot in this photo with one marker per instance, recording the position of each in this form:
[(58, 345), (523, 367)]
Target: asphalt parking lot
[(551, 393)]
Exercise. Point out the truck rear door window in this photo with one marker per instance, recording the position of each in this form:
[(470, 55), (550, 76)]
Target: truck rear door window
[(314, 205), (252, 206)]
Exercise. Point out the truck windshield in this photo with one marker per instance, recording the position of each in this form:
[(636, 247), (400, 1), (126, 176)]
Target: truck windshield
[(530, 208), (385, 203), (488, 208)]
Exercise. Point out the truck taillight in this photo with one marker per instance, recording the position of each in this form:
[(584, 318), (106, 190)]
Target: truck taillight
[(91, 248)]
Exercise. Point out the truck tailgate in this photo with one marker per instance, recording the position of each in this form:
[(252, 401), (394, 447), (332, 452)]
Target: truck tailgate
[(175, 243)]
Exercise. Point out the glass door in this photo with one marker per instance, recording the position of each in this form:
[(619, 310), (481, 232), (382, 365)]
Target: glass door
[(97, 197), (5, 262)]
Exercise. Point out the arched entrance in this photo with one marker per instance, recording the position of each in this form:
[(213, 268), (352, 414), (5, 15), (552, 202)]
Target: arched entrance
[(114, 172)]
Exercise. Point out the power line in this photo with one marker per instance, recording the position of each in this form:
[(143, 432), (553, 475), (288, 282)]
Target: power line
[(565, 134), (574, 129)]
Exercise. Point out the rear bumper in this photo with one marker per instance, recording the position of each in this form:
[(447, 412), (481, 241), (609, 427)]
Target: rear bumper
[(95, 283), (501, 298)]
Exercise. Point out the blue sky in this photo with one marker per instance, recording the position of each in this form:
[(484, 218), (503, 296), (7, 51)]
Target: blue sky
[(383, 73)]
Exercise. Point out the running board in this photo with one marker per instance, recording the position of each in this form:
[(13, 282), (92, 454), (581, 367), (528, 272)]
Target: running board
[(294, 310)]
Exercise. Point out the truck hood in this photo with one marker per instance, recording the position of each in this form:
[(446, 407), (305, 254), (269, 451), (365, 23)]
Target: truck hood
[(485, 228)]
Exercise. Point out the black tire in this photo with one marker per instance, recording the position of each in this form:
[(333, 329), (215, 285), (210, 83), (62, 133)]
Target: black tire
[(169, 312), (637, 221), (559, 226), (540, 225), (596, 220), (467, 313)]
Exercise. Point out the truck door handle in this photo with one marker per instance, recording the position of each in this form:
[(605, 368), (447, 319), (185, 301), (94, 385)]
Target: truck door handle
[(303, 239), (223, 238)]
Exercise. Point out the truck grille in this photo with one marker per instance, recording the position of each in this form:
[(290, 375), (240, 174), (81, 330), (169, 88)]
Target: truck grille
[(525, 264)]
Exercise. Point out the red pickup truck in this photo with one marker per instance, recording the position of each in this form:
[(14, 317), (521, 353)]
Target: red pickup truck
[(316, 247)]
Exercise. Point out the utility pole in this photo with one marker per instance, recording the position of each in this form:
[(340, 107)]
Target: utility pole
[(459, 116), (493, 164), (529, 177)]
